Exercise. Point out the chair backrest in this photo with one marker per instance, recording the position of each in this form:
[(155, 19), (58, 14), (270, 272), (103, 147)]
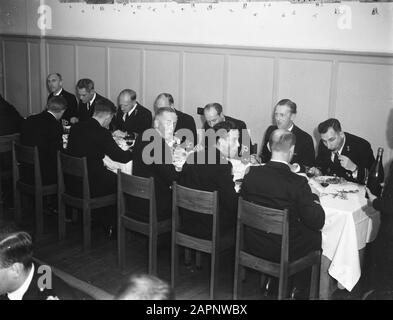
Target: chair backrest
[(203, 202), (26, 155), (138, 187), (73, 166), (265, 219), (6, 142)]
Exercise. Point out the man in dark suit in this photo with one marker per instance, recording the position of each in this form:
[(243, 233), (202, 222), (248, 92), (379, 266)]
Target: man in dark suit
[(185, 126), (153, 158), (131, 118), (88, 98), (284, 115), (92, 139), (20, 278), (342, 153), (210, 170), (55, 87), (213, 114), (44, 130), (275, 185)]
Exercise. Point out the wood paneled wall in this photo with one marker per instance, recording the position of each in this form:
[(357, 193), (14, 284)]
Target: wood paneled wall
[(354, 87)]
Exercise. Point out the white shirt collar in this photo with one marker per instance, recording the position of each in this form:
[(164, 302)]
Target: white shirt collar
[(291, 127), (92, 100), (280, 161), (57, 94), (52, 114), (19, 293), (131, 111)]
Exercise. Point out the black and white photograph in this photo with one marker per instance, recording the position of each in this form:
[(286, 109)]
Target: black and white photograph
[(204, 152)]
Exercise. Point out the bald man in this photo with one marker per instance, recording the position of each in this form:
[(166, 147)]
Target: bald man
[(55, 86), (275, 185)]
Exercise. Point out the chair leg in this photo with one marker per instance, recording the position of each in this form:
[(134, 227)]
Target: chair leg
[(238, 278), (1, 201), (314, 285), (39, 220), (121, 247), (187, 256), (153, 254), (214, 274), (282, 288), (61, 221), (17, 205), (174, 264), (86, 228)]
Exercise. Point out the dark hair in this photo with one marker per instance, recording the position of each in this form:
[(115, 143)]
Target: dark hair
[(129, 92), (222, 129), (214, 105), (87, 84), (57, 104), (323, 127), (15, 247), (104, 106), (145, 287), (58, 74), (290, 104), (166, 96), (281, 140)]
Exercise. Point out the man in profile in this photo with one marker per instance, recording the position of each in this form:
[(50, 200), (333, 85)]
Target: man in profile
[(274, 185), (88, 98), (343, 154), (55, 87), (284, 115), (145, 287), (20, 278), (45, 131)]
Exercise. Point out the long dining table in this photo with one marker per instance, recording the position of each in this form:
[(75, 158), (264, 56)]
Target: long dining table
[(350, 223)]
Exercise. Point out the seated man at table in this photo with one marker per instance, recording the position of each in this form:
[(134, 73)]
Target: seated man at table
[(55, 87), (274, 185), (45, 131), (20, 278), (213, 114), (131, 117), (343, 154), (284, 114), (184, 120), (88, 98), (211, 170), (92, 139), (153, 158)]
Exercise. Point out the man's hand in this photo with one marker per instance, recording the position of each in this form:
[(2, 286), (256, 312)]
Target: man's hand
[(119, 134), (313, 171), (74, 120), (294, 167), (347, 163), (254, 159)]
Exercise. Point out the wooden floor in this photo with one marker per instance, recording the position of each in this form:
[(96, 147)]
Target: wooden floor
[(99, 265)]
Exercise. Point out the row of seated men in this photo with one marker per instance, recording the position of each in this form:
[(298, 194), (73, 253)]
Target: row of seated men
[(286, 150)]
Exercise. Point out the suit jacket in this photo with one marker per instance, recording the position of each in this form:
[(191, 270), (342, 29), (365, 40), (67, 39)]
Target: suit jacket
[(304, 148), (59, 289), (45, 132), (139, 120), (210, 177), (356, 149), (163, 172), (244, 137), (10, 119), (275, 186), (83, 113), (88, 139), (185, 121), (72, 106)]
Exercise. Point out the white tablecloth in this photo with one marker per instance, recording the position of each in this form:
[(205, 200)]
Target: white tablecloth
[(349, 225)]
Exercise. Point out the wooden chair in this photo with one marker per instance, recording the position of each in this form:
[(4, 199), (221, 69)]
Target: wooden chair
[(77, 167), (276, 222), (25, 155), (5, 173), (141, 188), (205, 203)]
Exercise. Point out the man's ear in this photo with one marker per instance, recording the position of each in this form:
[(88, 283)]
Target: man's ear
[(17, 269), (155, 123)]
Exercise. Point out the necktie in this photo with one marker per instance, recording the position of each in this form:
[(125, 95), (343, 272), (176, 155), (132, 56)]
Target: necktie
[(336, 160), (88, 106)]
